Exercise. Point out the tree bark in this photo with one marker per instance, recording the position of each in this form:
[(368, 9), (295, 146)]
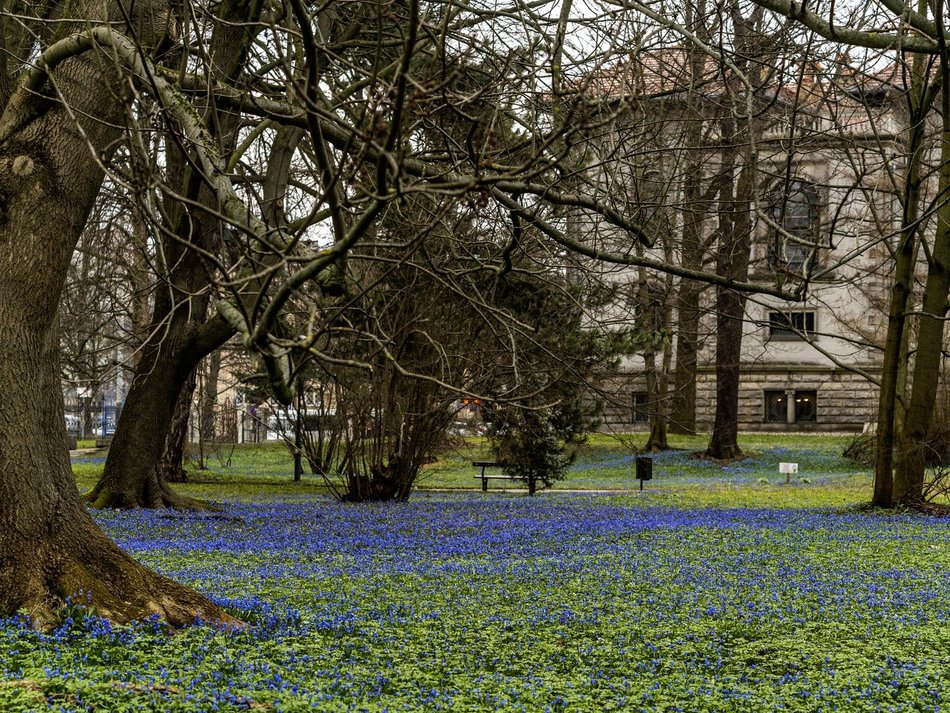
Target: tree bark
[(888, 490), (179, 336), (732, 261), (652, 311), (50, 547), (683, 410), (695, 207), (298, 429), (736, 226), (209, 396), (133, 476), (172, 464), (913, 449), (896, 340)]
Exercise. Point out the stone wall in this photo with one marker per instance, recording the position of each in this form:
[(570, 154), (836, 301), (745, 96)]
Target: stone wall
[(845, 401)]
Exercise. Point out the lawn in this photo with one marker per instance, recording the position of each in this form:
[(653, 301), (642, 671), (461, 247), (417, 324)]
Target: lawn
[(605, 463), (685, 597)]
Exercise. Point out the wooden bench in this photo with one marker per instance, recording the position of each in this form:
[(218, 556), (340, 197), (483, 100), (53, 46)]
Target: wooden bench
[(485, 478)]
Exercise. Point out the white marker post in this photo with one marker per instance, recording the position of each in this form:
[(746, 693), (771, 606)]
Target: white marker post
[(788, 469)]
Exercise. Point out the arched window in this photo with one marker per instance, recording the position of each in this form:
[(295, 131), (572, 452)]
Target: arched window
[(794, 208)]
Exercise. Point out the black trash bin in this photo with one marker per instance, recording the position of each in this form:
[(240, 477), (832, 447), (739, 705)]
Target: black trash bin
[(644, 469)]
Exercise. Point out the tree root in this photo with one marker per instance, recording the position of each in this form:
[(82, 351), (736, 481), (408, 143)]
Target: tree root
[(104, 498), (705, 455), (925, 507), (115, 586)]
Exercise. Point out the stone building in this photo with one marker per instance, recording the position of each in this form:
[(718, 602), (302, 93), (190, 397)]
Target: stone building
[(824, 209)]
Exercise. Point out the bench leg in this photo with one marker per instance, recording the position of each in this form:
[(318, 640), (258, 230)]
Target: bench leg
[(484, 481)]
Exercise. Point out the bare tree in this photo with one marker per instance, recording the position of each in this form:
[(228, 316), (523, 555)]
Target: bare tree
[(60, 117), (920, 53), (375, 103)]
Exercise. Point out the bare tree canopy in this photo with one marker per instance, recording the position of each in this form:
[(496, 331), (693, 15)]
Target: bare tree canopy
[(259, 144)]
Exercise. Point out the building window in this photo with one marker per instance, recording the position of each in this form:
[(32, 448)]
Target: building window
[(806, 406), (791, 406), (791, 326), (640, 412), (776, 407), (794, 209)]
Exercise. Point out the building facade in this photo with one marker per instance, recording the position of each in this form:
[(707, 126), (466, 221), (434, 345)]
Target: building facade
[(817, 180)]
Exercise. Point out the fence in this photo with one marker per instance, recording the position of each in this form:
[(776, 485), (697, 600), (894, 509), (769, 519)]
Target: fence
[(89, 418)]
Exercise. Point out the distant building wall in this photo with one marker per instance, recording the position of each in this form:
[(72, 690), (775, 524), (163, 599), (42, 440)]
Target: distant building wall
[(842, 400)]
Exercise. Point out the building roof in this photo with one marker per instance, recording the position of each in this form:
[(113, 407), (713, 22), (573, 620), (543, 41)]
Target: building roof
[(674, 71)]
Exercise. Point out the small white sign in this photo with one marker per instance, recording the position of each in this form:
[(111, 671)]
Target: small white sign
[(788, 467)]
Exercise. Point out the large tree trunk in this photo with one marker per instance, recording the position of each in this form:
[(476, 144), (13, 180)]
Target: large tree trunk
[(689, 292), (730, 309), (896, 341), (913, 449), (49, 177), (695, 207), (735, 234), (887, 492), (178, 340), (732, 261), (172, 465), (179, 337), (49, 545), (724, 443), (133, 476)]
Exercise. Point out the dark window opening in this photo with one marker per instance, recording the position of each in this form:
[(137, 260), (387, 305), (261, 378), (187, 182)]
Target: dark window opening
[(641, 413), (795, 211), (806, 403), (791, 326), (804, 406), (776, 407)]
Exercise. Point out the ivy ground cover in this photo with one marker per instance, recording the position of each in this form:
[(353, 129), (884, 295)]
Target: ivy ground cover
[(471, 602)]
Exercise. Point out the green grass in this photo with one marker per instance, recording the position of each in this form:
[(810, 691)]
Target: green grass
[(682, 478), (718, 588), (604, 463), (462, 602)]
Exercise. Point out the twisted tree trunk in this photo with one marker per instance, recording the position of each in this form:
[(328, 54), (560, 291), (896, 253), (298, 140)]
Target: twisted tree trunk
[(50, 174), (172, 465), (133, 476)]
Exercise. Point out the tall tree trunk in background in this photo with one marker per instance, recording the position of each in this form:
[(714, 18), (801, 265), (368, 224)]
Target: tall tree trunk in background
[(913, 448), (894, 368), (298, 430), (697, 203), (695, 207), (683, 411), (49, 178), (656, 441), (658, 313), (207, 403), (732, 261), (894, 349), (740, 130), (172, 463)]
